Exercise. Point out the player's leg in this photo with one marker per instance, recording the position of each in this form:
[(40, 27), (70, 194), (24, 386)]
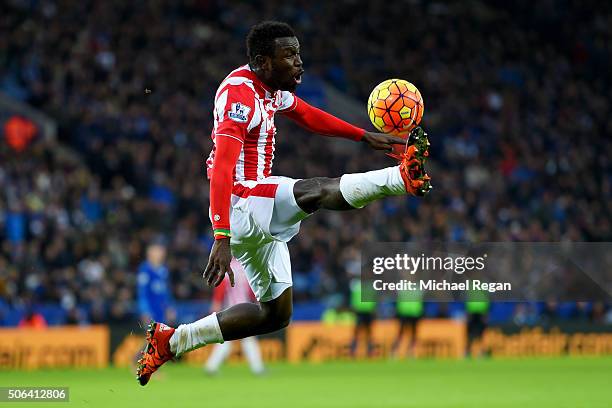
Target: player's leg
[(359, 330), (413, 336), (357, 190), (250, 347), (239, 321), (368, 334), (350, 191), (249, 319), (400, 335), (320, 192), (236, 322), (217, 357), (355, 342), (266, 263)]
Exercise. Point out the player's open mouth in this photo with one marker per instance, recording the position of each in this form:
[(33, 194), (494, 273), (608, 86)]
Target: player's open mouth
[(298, 78)]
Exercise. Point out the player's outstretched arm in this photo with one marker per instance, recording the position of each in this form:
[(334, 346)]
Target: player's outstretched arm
[(321, 122), (226, 154)]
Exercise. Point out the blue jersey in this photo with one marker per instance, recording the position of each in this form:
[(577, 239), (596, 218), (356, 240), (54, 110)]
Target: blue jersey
[(153, 291)]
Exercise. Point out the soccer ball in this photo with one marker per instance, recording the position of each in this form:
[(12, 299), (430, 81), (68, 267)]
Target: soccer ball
[(396, 107)]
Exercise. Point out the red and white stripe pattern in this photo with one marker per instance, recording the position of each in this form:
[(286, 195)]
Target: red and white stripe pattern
[(241, 292), (225, 295), (257, 154)]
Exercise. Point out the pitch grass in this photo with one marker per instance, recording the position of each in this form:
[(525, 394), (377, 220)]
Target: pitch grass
[(559, 382)]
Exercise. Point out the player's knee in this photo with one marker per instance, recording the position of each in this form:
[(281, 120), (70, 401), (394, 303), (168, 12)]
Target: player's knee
[(281, 318), (328, 189), (278, 317), (284, 317), (310, 194), (284, 323)]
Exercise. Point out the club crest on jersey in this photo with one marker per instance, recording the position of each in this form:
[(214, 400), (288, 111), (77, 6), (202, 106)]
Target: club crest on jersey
[(239, 112)]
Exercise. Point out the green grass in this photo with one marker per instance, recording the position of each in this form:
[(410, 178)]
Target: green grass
[(559, 382)]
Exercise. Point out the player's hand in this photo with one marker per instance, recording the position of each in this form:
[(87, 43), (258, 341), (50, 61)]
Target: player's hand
[(219, 263), (382, 141)]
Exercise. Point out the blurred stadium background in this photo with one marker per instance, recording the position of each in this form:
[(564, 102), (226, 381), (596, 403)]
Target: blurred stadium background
[(105, 118)]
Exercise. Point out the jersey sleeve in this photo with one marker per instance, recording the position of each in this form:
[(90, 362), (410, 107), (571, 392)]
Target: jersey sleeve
[(236, 113), (226, 156), (321, 122)]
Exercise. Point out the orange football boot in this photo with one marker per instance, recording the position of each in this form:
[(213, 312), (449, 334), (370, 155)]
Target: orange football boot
[(412, 162), (156, 352)]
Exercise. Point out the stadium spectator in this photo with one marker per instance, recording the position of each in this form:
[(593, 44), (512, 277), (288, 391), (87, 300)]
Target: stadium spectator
[(19, 132), (33, 320)]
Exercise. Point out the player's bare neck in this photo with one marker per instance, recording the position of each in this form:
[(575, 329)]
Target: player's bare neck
[(263, 77)]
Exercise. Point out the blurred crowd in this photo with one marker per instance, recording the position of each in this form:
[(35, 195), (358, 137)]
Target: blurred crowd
[(517, 107)]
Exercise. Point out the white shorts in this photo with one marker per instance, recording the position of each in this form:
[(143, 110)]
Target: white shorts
[(264, 217)]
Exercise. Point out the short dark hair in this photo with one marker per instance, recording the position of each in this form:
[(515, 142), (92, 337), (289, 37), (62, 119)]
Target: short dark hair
[(260, 40)]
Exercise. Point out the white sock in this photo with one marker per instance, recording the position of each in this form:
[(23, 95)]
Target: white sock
[(360, 189), (191, 336), (218, 356), (250, 347)]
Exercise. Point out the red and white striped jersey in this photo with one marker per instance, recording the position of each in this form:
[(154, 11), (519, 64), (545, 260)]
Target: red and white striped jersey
[(243, 101)]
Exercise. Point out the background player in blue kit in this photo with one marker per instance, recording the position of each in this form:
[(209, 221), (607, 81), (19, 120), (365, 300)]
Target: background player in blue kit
[(154, 293)]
